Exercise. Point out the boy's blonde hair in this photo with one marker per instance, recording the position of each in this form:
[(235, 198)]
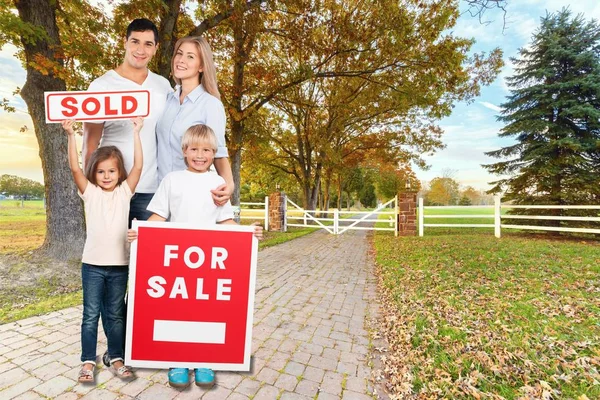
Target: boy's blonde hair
[(197, 134)]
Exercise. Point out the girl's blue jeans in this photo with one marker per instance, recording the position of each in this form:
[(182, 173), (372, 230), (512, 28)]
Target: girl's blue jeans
[(104, 290)]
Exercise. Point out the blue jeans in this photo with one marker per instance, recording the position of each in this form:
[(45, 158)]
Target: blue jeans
[(137, 207), (104, 290)]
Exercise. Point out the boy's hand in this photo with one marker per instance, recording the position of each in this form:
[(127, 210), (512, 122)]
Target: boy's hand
[(67, 125), (131, 235), (138, 123), (258, 231)]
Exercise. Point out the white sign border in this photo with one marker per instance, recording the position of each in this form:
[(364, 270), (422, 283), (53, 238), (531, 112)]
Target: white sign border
[(47, 95), (245, 365)]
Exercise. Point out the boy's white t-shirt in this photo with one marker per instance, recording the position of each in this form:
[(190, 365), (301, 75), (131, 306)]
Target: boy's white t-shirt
[(120, 133), (106, 219), (184, 196)]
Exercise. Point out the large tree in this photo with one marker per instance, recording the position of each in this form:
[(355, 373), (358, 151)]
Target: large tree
[(65, 43), (553, 112), (378, 76), (36, 32)]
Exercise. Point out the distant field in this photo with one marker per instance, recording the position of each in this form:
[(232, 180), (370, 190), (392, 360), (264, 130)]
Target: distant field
[(21, 228)]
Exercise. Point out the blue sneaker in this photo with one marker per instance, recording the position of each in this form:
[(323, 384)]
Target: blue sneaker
[(204, 377), (179, 377)]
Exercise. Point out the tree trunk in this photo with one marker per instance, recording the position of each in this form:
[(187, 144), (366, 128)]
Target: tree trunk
[(235, 156), (314, 194), (166, 37), (235, 110), (339, 193), (65, 230)]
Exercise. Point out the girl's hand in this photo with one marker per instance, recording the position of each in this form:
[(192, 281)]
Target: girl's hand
[(258, 231), (67, 125), (138, 123), (221, 195), (131, 235)]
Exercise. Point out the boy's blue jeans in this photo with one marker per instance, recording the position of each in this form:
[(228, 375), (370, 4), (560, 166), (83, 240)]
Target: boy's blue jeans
[(104, 289)]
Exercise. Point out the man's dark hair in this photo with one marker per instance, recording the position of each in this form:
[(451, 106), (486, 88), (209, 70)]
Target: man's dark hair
[(142, 25)]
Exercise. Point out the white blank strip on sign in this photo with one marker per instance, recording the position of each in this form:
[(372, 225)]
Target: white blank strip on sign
[(189, 332)]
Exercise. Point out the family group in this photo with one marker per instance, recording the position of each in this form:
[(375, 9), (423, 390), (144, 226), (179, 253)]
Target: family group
[(157, 168)]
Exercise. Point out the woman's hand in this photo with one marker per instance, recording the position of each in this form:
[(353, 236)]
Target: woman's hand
[(221, 195)]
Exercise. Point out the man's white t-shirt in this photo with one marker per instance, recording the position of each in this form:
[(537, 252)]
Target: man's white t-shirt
[(184, 196), (120, 133)]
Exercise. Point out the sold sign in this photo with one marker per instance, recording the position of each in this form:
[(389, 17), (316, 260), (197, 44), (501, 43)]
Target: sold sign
[(96, 106), (191, 296)]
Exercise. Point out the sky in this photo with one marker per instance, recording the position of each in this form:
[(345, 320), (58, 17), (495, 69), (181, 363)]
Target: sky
[(470, 131)]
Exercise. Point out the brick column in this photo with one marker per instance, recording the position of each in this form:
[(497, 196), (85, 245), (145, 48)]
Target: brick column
[(277, 212), (407, 214)]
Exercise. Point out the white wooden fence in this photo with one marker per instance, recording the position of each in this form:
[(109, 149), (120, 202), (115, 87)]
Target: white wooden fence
[(498, 217), (262, 212), (337, 221)]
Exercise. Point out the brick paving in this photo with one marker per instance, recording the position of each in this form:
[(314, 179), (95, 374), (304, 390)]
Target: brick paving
[(314, 296)]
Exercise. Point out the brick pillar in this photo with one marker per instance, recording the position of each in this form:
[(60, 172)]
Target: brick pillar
[(407, 214), (277, 212)]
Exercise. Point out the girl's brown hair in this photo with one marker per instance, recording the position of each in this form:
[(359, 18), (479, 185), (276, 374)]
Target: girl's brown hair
[(208, 76), (103, 154)]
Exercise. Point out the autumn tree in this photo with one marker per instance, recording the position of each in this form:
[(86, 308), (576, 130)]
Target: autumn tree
[(65, 43), (443, 191), (553, 112), (40, 29), (372, 89), (472, 194)]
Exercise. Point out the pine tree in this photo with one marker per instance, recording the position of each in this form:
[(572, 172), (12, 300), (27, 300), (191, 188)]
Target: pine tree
[(554, 113)]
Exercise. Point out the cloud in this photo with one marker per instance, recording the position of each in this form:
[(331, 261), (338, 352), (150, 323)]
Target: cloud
[(491, 106)]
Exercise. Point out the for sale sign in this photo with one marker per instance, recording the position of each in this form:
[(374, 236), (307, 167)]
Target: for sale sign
[(191, 296), (96, 106)]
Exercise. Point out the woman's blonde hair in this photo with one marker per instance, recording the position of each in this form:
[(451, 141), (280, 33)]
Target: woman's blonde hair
[(208, 76), (198, 134)]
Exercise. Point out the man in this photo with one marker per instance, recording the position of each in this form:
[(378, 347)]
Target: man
[(141, 43)]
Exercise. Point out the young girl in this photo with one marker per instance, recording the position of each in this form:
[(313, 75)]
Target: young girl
[(106, 190)]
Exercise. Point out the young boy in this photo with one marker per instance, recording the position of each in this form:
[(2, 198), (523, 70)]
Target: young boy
[(185, 196)]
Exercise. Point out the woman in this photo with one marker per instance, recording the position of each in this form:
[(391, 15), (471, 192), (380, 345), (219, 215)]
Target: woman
[(196, 100)]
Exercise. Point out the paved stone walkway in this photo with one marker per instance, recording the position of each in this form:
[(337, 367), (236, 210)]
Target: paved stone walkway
[(313, 298)]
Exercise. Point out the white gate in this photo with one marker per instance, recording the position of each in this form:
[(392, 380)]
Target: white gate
[(335, 223)]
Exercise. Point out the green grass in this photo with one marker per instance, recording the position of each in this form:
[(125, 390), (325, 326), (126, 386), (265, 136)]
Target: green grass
[(275, 238), (475, 315), (22, 230), (43, 306)]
